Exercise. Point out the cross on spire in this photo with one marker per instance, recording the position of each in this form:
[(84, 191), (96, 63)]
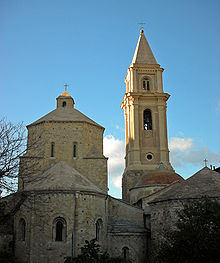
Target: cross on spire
[(66, 85), (205, 161), (142, 23)]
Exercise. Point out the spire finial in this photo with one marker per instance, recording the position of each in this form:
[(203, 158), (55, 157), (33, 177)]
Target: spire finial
[(205, 161), (142, 28), (66, 85)]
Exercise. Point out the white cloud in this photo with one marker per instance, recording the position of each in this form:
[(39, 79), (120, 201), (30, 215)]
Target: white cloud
[(184, 152), (117, 181), (114, 149), (180, 144)]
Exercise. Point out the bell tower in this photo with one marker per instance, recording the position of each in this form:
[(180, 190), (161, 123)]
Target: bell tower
[(144, 105)]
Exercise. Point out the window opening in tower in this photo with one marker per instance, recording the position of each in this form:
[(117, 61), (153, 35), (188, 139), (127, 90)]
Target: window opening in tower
[(147, 120)]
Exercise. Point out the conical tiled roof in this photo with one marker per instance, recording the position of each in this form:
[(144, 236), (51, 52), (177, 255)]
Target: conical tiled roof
[(143, 53), (161, 175), (205, 182), (65, 94)]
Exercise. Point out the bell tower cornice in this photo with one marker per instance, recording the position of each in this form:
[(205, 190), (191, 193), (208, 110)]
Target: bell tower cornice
[(138, 66)]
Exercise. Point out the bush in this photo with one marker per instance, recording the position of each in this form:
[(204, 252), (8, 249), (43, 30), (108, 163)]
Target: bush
[(91, 253), (197, 238)]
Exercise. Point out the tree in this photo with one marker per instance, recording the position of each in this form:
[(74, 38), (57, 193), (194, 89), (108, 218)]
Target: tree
[(12, 146), (197, 235), (91, 253), (17, 157)]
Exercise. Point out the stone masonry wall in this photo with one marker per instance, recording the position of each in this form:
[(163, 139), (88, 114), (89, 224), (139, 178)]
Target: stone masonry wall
[(136, 243), (39, 212), (89, 208), (80, 210), (64, 135), (120, 209)]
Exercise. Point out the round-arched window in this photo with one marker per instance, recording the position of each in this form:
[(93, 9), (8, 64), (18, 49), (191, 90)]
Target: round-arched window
[(125, 252), (59, 229), (98, 229), (147, 120), (146, 84)]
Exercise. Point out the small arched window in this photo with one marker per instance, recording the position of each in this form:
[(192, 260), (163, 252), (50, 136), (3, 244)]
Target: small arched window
[(22, 229), (147, 120), (59, 229), (52, 148), (146, 84), (74, 149), (125, 252), (98, 229), (64, 104)]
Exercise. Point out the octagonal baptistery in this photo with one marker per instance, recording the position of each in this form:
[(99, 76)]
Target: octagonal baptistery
[(153, 181), (63, 184), (67, 135)]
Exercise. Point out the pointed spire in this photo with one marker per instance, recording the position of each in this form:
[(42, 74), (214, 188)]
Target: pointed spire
[(143, 53)]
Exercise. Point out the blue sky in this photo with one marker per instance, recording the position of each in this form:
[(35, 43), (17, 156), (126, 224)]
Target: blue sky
[(90, 45)]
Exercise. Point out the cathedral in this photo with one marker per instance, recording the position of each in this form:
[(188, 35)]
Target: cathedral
[(62, 198)]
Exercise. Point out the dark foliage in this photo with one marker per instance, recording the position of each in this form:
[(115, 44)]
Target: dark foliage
[(7, 258), (91, 253), (197, 238)]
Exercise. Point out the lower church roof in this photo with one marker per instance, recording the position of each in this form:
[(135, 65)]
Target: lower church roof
[(204, 183), (120, 225)]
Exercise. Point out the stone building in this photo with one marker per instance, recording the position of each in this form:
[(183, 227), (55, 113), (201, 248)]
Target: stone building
[(62, 197), (66, 200), (164, 204)]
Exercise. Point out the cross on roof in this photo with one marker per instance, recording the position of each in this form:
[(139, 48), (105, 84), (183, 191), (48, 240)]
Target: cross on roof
[(141, 23), (205, 161), (66, 85)]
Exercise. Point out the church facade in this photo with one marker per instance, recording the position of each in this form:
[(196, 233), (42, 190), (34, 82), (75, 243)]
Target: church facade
[(62, 197)]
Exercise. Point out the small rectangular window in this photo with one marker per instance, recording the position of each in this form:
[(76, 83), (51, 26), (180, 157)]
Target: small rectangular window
[(52, 150), (74, 150)]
